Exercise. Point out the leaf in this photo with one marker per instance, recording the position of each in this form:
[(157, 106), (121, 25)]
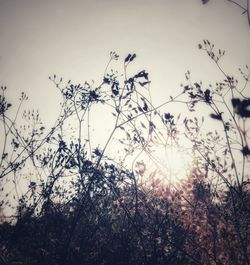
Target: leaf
[(132, 57), (143, 125), (115, 92), (145, 107), (207, 96), (127, 58), (216, 116), (204, 1), (197, 85), (241, 107), (144, 83), (245, 151), (142, 74)]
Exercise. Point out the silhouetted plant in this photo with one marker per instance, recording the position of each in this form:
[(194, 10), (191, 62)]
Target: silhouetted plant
[(75, 202)]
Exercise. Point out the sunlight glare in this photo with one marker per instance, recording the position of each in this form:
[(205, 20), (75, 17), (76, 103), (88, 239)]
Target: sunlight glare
[(173, 162)]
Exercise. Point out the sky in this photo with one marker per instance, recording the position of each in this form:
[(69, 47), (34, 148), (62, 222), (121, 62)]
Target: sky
[(73, 39)]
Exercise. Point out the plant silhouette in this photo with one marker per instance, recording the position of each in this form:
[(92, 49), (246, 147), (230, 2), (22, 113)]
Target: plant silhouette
[(71, 201)]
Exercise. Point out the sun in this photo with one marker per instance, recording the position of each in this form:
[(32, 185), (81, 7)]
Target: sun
[(173, 163)]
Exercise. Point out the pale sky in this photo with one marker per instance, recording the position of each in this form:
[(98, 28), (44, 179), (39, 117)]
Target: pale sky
[(73, 38)]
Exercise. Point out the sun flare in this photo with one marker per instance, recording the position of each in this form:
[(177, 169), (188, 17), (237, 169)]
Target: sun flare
[(173, 162)]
